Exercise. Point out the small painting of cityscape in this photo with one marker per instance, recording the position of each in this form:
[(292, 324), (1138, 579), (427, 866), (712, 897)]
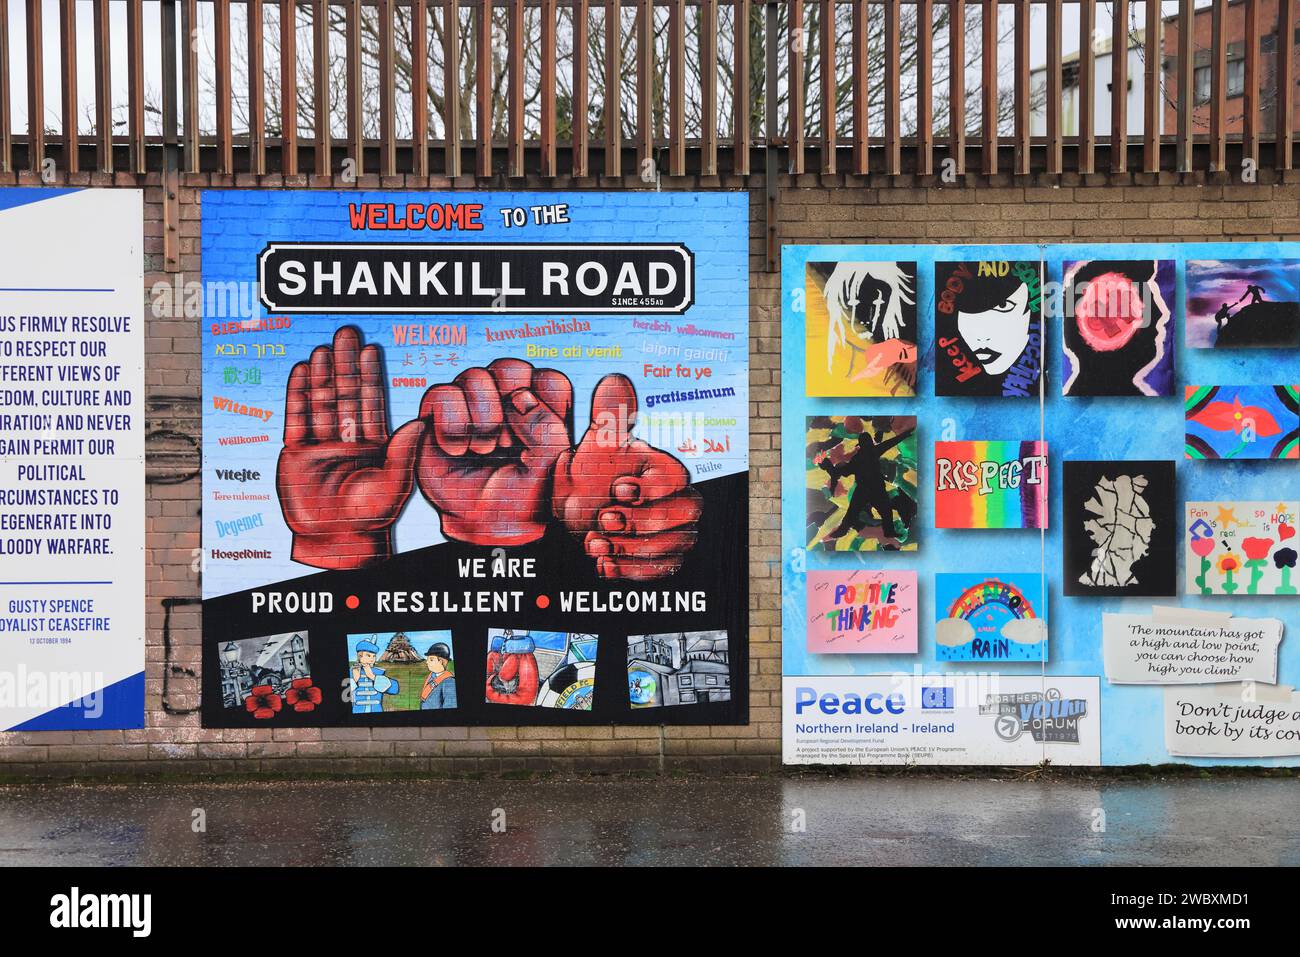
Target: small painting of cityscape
[(677, 668)]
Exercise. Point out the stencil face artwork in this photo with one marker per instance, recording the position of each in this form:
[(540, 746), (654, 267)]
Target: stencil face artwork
[(1243, 303), (860, 322), (1118, 327), (861, 481), (1119, 528), (988, 328)]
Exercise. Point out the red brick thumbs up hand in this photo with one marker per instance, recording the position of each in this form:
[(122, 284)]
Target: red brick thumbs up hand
[(631, 504), (493, 437), (342, 480)]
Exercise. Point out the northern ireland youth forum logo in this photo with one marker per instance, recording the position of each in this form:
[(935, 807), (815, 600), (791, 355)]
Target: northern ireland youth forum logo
[(1046, 715)]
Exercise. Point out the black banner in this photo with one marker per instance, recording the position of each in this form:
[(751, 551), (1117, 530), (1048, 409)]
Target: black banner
[(532, 278)]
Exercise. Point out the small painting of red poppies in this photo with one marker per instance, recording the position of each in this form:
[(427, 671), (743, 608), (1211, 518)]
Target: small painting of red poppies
[(1242, 548), (268, 677), (1243, 422)]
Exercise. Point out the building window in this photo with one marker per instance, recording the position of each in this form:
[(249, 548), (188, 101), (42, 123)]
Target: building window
[(1201, 79), (1236, 77)]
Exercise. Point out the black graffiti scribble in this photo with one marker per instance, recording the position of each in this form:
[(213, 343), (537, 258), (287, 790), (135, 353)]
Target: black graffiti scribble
[(171, 443), (169, 668)]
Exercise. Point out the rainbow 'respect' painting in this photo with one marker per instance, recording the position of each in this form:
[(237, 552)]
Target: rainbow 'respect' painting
[(990, 484)]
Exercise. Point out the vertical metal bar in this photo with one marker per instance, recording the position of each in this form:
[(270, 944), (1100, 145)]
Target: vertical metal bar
[(190, 84), (1020, 122), (547, 94), (613, 89), (68, 78), (387, 92), (989, 85), (1052, 103), (924, 87), (6, 91), (35, 87), (740, 89), (645, 86), (225, 131), (256, 91), (1087, 85), (1250, 91), (1285, 82), (1184, 97), (483, 89), (1218, 83), (826, 47), (451, 86), (795, 51), (893, 69), (321, 85), (515, 97), (354, 98), (579, 107), (957, 85), (770, 124), (1153, 103), (1119, 83), (170, 92), (289, 87), (135, 82), (419, 87), (858, 81), (170, 82), (171, 177), (676, 87), (103, 87), (708, 31)]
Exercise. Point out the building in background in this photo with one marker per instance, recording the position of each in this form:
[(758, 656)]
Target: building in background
[(1202, 76), (1102, 57)]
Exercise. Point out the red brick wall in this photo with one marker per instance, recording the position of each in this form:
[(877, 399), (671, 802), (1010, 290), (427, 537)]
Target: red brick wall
[(1234, 32), (811, 209)]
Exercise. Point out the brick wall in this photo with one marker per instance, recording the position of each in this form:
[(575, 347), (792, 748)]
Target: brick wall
[(1138, 208)]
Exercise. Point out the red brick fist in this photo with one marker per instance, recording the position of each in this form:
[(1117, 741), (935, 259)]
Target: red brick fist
[(342, 480), (493, 438), (630, 503)]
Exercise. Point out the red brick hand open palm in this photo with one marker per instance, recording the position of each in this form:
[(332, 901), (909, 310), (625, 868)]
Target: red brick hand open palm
[(342, 479)]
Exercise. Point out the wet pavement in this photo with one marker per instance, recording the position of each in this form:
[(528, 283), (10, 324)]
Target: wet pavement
[(851, 820)]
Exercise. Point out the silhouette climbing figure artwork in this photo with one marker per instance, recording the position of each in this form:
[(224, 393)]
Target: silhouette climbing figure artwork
[(1242, 303), (1256, 294), (869, 491)]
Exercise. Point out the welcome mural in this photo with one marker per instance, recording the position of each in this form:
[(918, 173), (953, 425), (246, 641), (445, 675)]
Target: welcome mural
[(467, 454)]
